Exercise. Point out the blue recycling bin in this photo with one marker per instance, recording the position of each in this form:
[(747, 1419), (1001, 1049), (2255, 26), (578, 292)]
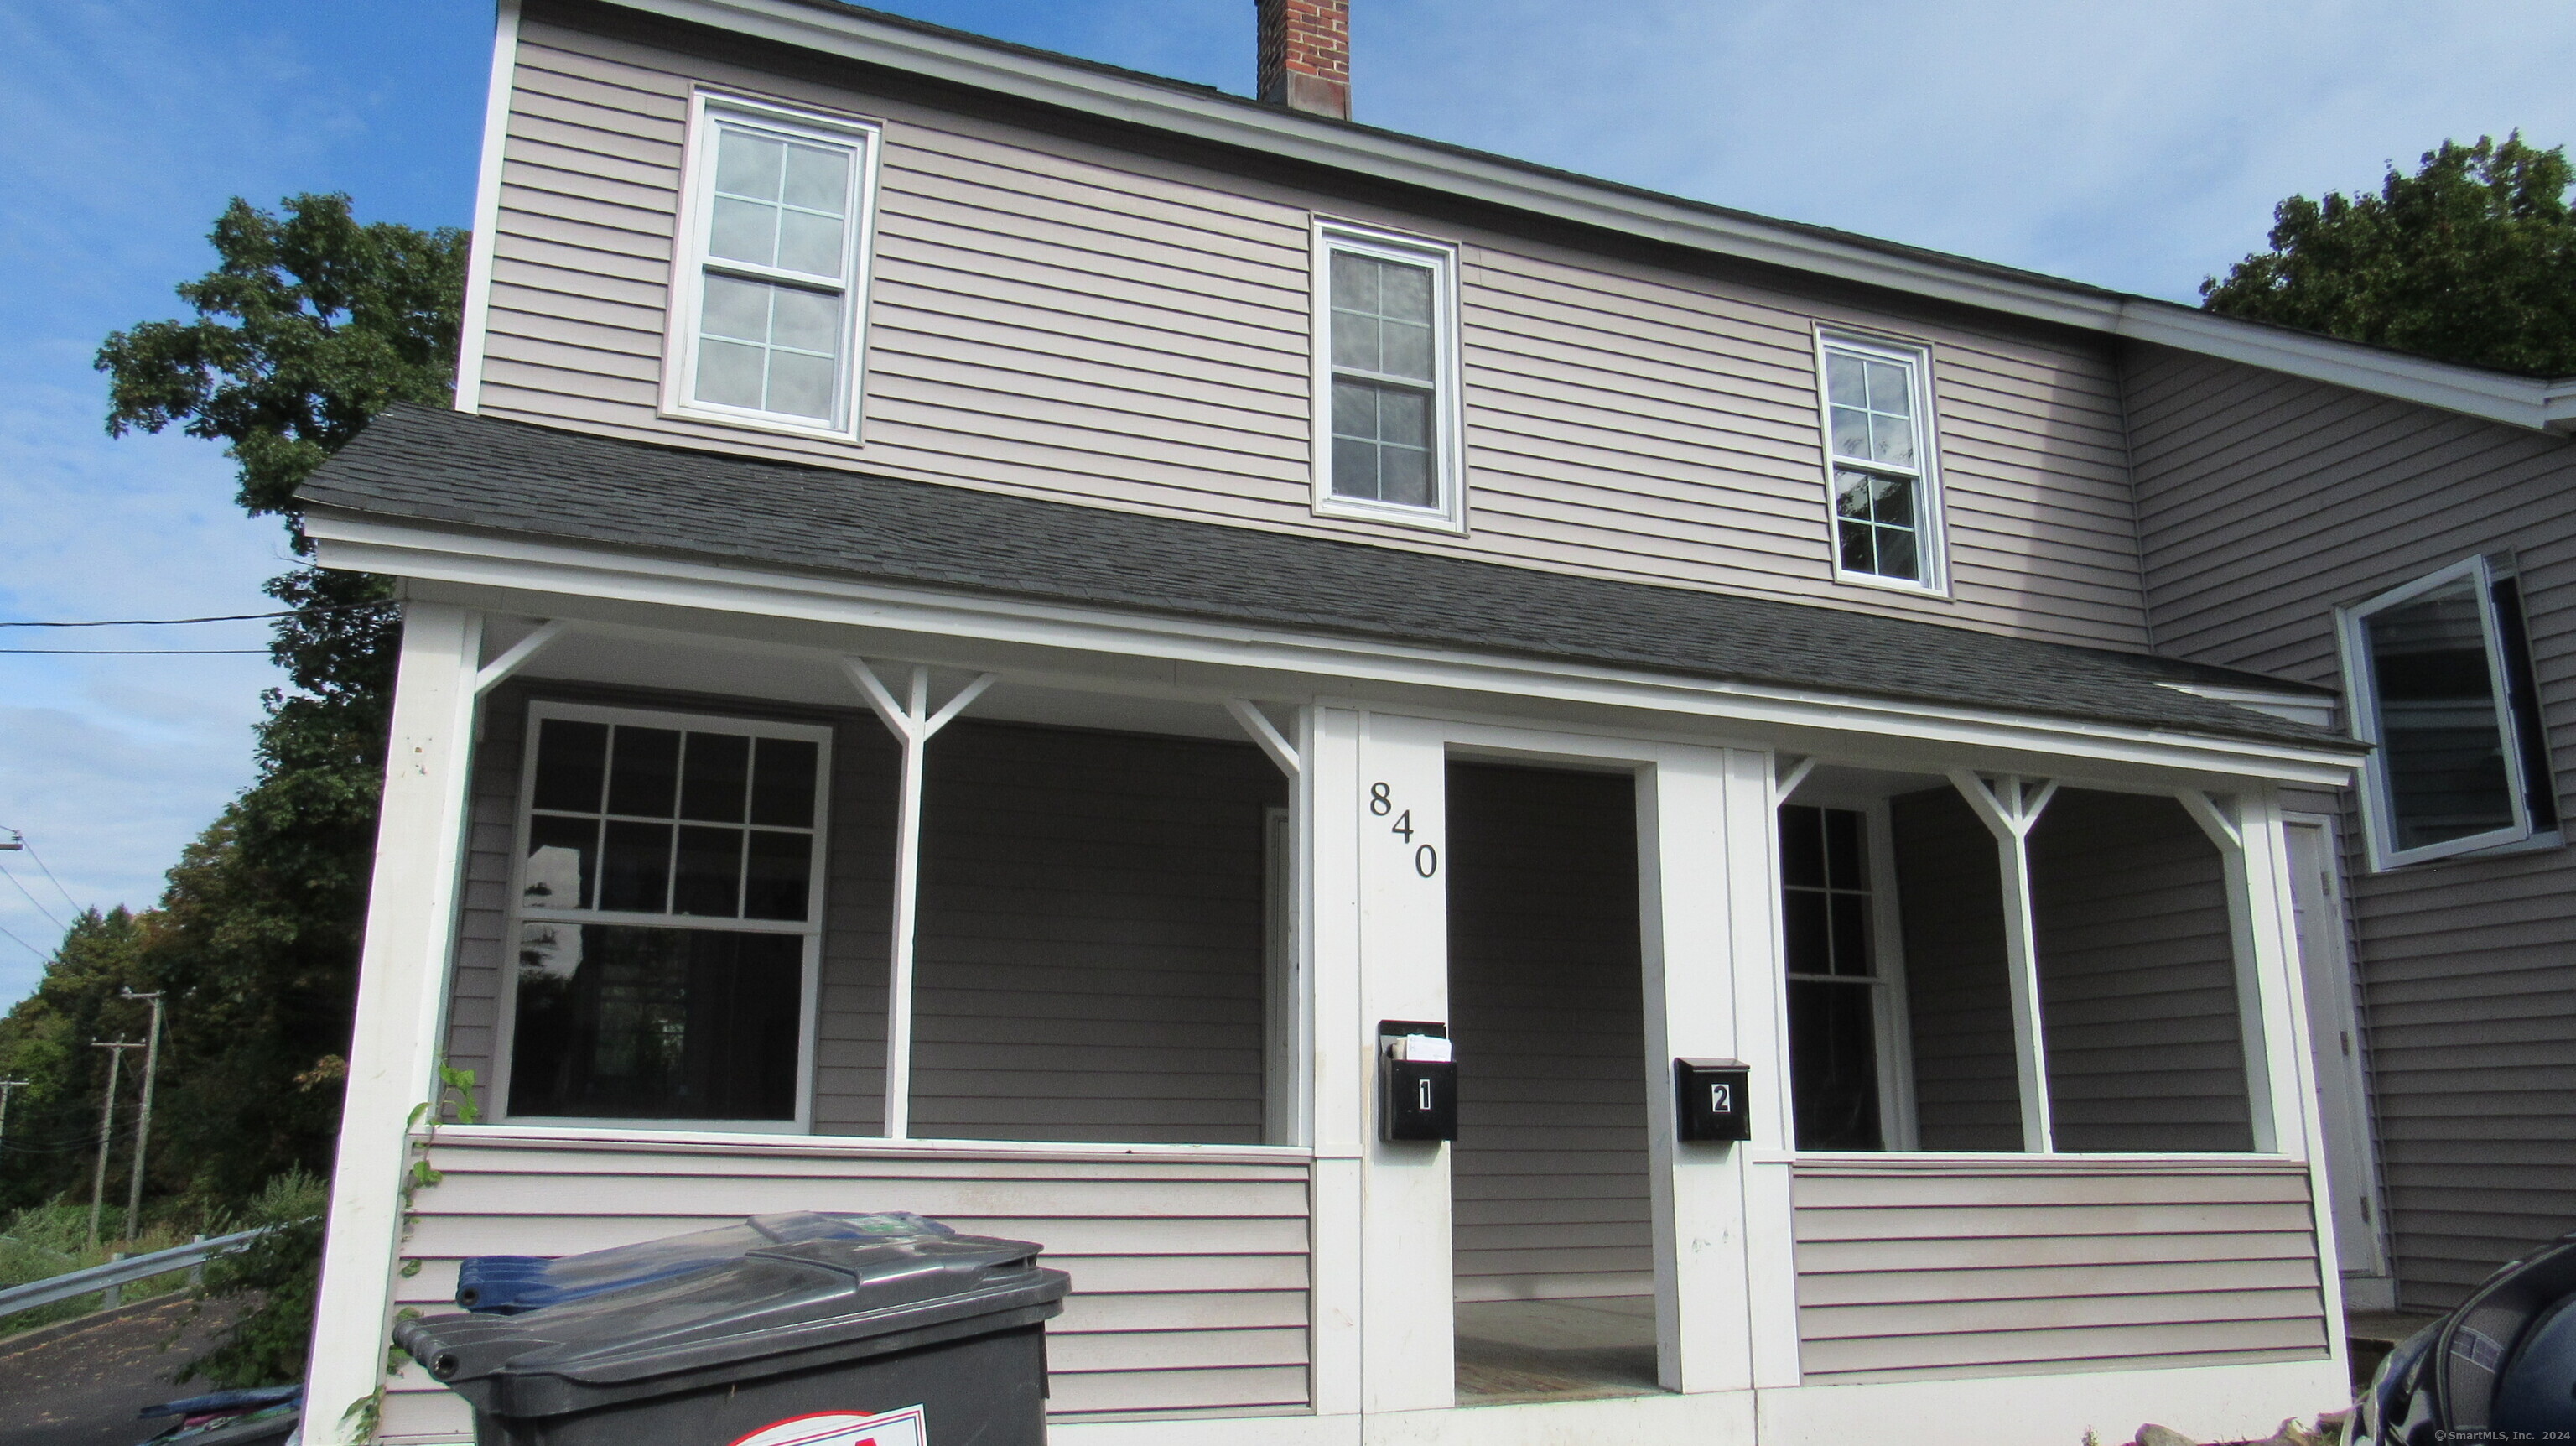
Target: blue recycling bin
[(514, 1284)]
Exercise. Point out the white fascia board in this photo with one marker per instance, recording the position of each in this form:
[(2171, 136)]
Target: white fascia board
[(1229, 121), (428, 554)]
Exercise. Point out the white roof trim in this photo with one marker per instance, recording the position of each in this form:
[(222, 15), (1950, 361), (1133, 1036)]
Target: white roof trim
[(1231, 121), (434, 553)]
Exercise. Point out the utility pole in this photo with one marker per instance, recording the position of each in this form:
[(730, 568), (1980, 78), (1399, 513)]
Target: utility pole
[(106, 1128), (143, 1126), (7, 1085)]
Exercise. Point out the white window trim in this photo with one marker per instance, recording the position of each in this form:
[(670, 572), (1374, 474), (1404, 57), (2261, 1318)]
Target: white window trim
[(2378, 803), (506, 1020), (686, 293), (1449, 431), (1892, 1020), (1932, 543)]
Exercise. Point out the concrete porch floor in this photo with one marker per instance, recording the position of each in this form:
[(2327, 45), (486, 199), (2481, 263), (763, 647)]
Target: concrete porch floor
[(1511, 1352)]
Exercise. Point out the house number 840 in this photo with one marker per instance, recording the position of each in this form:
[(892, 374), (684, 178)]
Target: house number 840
[(1426, 859)]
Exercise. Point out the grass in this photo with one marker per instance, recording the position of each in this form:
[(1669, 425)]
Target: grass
[(44, 1241)]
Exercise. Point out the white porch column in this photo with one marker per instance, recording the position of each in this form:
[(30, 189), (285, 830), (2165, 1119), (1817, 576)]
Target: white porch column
[(1408, 1324), (1707, 902), (2252, 897), (2010, 809), (402, 982), (1328, 799)]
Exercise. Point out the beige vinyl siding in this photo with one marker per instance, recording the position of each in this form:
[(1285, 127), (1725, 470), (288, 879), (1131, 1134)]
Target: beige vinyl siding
[(1053, 317), (2137, 978), (1548, 1178), (2265, 501), (1914, 1269), (849, 1039), (1093, 936), (1189, 1274), (1958, 991)]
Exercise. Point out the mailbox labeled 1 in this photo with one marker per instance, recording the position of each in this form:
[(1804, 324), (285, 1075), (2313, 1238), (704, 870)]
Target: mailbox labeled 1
[(1709, 1095), (1419, 1075)]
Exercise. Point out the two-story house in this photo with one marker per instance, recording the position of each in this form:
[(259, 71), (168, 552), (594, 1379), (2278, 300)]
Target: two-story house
[(991, 635)]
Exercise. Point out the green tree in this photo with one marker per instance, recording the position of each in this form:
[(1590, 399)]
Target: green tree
[(52, 1140), (2470, 259), (310, 324)]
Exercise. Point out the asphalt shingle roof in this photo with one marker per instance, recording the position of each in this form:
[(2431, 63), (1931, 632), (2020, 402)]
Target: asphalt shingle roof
[(452, 469)]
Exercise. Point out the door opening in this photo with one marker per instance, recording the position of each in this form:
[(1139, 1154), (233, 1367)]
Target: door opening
[(1551, 1246)]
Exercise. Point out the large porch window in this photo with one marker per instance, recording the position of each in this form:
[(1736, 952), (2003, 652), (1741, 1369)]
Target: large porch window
[(2005, 964), (667, 917)]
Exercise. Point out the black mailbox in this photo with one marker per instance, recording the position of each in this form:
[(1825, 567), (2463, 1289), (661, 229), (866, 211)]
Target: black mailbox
[(1709, 1096), (1418, 1098)]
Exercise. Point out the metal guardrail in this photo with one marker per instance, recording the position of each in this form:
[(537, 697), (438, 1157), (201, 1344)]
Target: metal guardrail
[(110, 1280)]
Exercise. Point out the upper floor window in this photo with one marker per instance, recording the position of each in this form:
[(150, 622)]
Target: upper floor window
[(1878, 441), (667, 921), (773, 268), (1387, 375), (2440, 678)]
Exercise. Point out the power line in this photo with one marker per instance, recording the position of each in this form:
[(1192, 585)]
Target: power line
[(128, 652), (31, 898), (45, 955), (49, 871), (182, 622)]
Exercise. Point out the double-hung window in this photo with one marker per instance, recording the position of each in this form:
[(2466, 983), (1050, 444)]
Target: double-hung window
[(1841, 1010), (772, 280), (668, 918), (1386, 374), (2440, 680), (1877, 403)]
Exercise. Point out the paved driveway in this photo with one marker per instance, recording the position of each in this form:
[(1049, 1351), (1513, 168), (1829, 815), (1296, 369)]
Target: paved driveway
[(80, 1383)]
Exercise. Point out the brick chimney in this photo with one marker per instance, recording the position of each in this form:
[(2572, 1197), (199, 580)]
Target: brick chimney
[(1306, 55)]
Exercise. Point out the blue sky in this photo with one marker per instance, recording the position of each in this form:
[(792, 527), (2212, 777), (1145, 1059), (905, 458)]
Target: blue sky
[(2134, 146)]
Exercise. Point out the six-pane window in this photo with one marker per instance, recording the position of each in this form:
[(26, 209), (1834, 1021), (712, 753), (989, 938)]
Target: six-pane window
[(1882, 486), (779, 250), (1386, 372), (666, 904), (1834, 993)]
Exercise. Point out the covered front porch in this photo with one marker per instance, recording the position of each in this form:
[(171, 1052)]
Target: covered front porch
[(1099, 952)]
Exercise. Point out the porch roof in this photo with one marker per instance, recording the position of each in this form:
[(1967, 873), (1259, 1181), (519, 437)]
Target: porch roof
[(460, 472)]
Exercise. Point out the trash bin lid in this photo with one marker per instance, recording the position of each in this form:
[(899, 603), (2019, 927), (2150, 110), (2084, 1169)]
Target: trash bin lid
[(508, 1284), (770, 1302)]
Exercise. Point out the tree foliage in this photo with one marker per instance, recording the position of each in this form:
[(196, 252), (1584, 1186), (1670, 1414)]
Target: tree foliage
[(310, 323), (2470, 259)]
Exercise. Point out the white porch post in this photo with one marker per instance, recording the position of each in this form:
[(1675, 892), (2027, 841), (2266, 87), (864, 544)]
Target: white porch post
[(912, 724), (1706, 901), (402, 982), (2010, 808), (1408, 1320), (1329, 793), (2250, 898)]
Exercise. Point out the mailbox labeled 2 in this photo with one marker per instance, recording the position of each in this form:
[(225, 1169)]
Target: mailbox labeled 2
[(1709, 1099), (1418, 1098)]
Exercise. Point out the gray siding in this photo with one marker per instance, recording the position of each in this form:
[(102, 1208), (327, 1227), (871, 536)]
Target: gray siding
[(1058, 318), (1092, 940), (1914, 1269), (1189, 1275), (1958, 990), (849, 1044), (2265, 501), (1548, 1179), (2137, 978)]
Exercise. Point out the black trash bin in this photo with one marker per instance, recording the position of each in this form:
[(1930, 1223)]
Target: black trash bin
[(903, 1342)]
